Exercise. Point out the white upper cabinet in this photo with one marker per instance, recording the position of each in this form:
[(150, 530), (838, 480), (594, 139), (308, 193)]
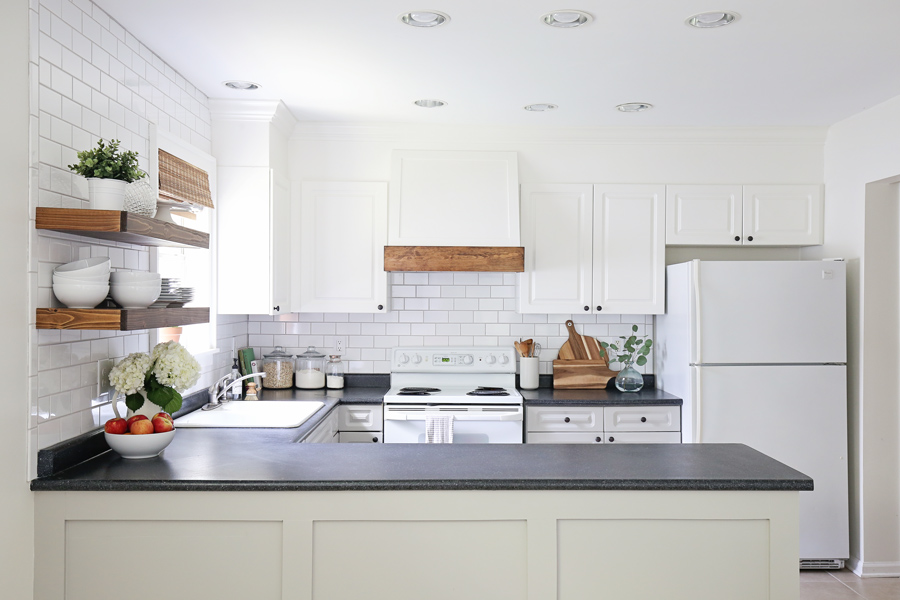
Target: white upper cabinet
[(444, 198), (339, 249), (557, 235), (750, 215), (629, 249), (593, 249)]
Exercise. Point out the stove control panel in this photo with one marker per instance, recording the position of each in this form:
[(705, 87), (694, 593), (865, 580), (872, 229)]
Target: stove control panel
[(453, 360)]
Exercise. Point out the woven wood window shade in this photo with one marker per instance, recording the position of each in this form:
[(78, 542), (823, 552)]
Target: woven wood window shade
[(183, 182)]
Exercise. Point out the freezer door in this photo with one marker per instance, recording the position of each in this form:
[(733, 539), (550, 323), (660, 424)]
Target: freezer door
[(789, 312), (798, 416)]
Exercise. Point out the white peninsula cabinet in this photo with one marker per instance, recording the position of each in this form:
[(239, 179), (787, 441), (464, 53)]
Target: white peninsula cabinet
[(339, 250), (593, 248), (603, 424), (749, 215)]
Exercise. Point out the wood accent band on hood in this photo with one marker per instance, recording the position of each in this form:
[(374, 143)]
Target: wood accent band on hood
[(503, 259)]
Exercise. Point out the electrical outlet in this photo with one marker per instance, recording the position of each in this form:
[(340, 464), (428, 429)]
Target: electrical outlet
[(340, 344), (103, 384)]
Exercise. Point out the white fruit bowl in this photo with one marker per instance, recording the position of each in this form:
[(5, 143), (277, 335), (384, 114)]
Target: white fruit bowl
[(139, 446), (86, 295)]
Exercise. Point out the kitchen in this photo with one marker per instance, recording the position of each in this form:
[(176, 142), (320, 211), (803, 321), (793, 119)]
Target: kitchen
[(852, 156)]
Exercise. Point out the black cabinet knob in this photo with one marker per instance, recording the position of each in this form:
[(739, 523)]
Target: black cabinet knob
[(598, 439), (277, 308), (599, 307), (737, 238), (374, 439), (612, 439), (587, 308), (567, 419), (750, 238), (380, 307), (643, 419)]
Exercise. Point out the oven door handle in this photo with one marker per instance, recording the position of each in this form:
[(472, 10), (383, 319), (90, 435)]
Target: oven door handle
[(458, 416)]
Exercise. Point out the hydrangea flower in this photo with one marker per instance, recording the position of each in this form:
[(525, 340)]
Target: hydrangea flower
[(174, 366), (128, 376)]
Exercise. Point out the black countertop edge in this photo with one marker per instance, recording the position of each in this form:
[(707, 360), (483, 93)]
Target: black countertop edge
[(425, 484)]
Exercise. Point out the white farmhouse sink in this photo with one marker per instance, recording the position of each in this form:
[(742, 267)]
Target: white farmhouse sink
[(269, 413)]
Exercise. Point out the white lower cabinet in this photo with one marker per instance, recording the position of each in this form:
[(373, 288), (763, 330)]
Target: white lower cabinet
[(360, 423), (339, 250), (593, 248), (326, 432), (603, 424)]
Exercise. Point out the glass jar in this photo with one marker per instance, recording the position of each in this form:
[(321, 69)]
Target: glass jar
[(310, 373), (628, 379), (334, 372), (279, 369)]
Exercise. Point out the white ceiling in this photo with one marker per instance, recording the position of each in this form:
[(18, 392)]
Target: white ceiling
[(785, 63)]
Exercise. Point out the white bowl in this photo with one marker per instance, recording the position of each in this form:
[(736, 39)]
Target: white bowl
[(148, 283), (135, 296), (133, 277), (87, 266), (80, 295), (87, 279), (139, 446)]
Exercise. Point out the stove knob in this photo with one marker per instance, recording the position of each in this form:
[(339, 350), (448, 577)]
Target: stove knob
[(417, 359), (491, 359), (404, 359), (467, 359), (504, 359)]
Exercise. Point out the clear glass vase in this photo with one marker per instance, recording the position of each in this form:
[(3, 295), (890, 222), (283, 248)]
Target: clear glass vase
[(628, 379)]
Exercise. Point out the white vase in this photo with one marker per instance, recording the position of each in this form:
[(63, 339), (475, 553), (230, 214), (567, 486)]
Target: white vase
[(148, 409), (106, 194)]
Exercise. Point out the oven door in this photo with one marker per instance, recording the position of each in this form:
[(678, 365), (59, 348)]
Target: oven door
[(490, 424)]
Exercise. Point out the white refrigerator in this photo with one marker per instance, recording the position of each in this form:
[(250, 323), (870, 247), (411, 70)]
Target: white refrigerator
[(758, 352)]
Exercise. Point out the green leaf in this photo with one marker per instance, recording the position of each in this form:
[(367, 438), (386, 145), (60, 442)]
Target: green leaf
[(134, 401), (162, 395), (641, 361), (634, 328), (174, 404)]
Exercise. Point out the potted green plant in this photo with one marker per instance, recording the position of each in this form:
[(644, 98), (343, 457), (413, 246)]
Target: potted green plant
[(634, 350), (108, 170)]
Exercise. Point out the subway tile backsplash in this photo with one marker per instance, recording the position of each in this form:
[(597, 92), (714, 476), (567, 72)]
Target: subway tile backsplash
[(436, 309)]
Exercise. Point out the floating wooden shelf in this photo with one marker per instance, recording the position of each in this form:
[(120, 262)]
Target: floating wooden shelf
[(507, 259), (119, 319), (119, 226)]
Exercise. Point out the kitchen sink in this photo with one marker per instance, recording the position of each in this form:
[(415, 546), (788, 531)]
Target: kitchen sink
[(270, 413)]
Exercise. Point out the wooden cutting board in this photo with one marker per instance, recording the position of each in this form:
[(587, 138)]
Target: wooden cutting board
[(580, 347), (581, 375), (565, 352)]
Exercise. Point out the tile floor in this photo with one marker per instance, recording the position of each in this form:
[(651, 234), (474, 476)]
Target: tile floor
[(844, 585)]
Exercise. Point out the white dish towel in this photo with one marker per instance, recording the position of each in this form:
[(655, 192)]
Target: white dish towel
[(438, 428)]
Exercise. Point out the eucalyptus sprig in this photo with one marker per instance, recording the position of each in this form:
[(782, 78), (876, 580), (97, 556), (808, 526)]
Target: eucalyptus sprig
[(106, 161), (634, 348)]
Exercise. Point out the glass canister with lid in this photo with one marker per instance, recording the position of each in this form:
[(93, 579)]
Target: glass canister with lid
[(310, 373), (334, 372), (279, 369)]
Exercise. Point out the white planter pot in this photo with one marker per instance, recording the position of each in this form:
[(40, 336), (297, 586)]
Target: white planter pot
[(107, 194)]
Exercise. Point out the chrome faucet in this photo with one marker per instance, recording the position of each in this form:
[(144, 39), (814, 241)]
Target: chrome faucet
[(217, 398)]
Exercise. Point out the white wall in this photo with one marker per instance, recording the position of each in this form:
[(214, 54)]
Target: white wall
[(17, 513), (861, 150)]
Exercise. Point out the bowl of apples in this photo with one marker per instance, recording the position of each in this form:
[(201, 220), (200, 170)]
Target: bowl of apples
[(140, 436)]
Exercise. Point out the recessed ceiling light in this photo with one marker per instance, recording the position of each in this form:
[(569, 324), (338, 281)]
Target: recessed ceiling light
[(241, 85), (567, 18), (429, 103), (634, 107), (541, 107), (424, 18), (708, 20)]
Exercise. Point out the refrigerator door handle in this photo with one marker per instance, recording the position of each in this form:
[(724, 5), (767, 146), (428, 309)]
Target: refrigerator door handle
[(698, 321), (697, 417)]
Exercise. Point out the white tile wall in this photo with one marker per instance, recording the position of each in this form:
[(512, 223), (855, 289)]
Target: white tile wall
[(89, 79), (437, 309)]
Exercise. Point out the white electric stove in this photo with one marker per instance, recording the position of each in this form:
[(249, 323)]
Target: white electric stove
[(477, 386)]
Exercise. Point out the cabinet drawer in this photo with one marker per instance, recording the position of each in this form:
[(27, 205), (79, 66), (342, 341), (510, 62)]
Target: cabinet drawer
[(361, 437), (552, 418), (641, 437), (564, 437), (642, 418), (360, 417)]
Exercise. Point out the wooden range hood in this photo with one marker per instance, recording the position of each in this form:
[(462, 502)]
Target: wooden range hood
[(487, 259)]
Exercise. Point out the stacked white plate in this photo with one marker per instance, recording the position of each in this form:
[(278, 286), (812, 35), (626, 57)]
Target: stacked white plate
[(82, 283), (134, 289), (168, 293), (185, 295)]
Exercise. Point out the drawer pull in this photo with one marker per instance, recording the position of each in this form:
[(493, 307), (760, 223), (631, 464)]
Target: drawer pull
[(375, 439), (643, 419), (567, 419), (598, 439), (612, 439)]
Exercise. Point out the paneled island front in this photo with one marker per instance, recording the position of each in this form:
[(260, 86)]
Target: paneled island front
[(248, 513)]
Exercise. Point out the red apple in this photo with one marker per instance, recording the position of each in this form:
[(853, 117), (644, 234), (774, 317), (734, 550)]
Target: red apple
[(134, 418), (116, 425), (165, 415), (162, 424), (141, 426)]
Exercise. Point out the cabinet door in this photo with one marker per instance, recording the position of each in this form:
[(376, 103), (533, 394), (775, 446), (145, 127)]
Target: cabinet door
[(360, 417), (783, 215), (556, 233), (340, 263), (704, 215), (564, 437), (642, 437), (629, 249), (280, 244), (641, 418), (568, 419), (360, 437)]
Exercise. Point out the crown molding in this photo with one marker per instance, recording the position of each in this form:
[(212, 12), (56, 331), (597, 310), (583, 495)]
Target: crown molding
[(269, 111), (410, 133)]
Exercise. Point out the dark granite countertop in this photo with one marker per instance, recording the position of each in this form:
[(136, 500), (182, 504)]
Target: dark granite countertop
[(609, 397)]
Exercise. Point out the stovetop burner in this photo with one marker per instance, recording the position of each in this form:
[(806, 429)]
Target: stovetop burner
[(417, 391), (488, 391)]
